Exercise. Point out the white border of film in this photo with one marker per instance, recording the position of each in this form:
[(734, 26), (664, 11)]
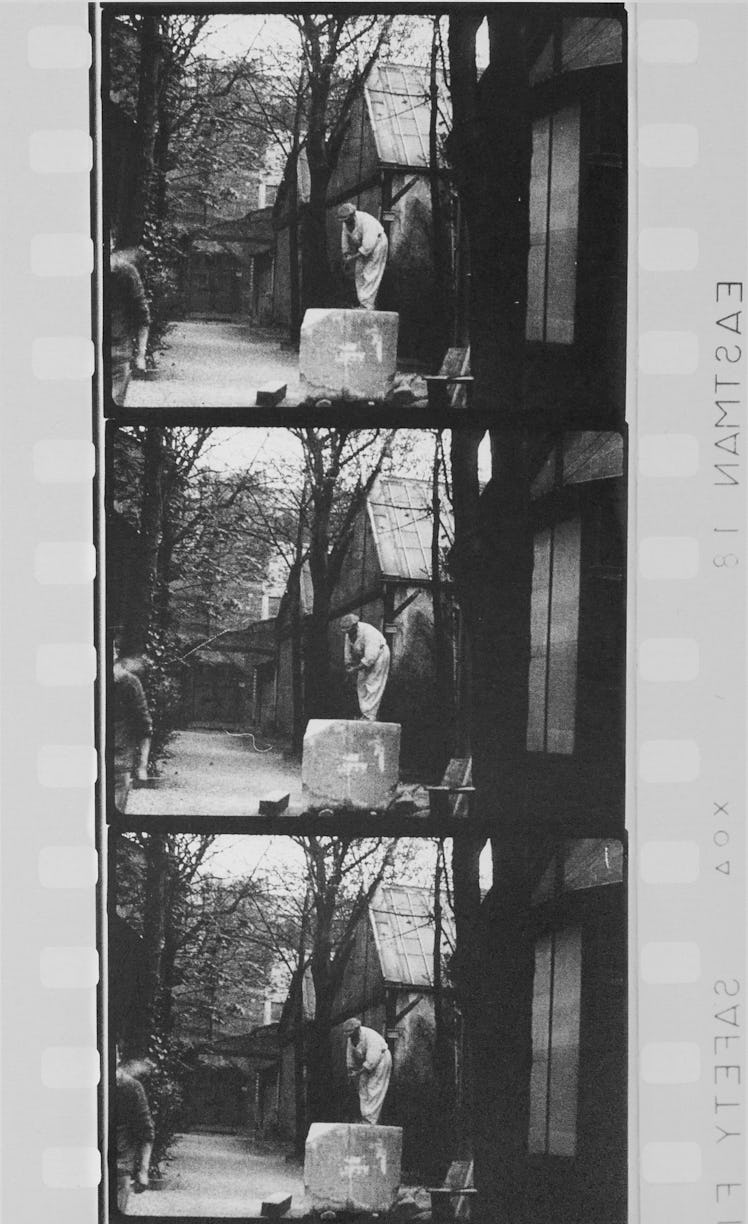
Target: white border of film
[(51, 1162), (687, 615), (686, 715)]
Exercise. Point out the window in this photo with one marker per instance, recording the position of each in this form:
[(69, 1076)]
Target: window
[(554, 210), (556, 1005), (554, 629)]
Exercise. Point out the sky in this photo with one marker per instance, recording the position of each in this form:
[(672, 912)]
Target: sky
[(233, 857), (239, 449), (232, 35)]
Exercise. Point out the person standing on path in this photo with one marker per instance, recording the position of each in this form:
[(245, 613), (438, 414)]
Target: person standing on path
[(133, 728), (369, 1064), (364, 244), (367, 656), (129, 321), (135, 1134)]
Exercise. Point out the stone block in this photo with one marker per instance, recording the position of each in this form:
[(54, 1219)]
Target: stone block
[(352, 1167), (350, 764), (348, 354)]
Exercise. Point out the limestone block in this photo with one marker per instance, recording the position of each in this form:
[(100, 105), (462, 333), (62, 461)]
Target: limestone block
[(351, 764), (348, 354), (352, 1167)]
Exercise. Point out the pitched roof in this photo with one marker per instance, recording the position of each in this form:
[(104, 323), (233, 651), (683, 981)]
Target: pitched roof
[(400, 111), (401, 522), (402, 920), (587, 455)]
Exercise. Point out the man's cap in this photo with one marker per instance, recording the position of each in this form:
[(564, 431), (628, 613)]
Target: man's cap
[(346, 210), (351, 1026), (347, 622)]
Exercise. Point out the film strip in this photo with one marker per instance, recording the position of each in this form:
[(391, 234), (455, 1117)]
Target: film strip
[(687, 675)]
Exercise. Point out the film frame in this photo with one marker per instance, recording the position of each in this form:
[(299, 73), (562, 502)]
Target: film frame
[(679, 70)]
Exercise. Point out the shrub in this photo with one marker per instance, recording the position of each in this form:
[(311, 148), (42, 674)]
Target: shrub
[(165, 1096), (160, 260)]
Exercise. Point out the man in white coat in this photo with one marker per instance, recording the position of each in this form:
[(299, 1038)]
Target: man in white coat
[(369, 1064), (367, 656), (364, 243)]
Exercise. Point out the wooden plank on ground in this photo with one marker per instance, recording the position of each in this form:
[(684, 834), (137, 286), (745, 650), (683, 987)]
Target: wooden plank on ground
[(274, 802), (276, 1205), (270, 394)]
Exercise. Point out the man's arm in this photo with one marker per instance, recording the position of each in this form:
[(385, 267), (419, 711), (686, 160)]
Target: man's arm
[(350, 254), (374, 1051), (372, 647), (370, 231)]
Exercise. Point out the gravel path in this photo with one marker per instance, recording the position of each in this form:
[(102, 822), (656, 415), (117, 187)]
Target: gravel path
[(221, 1175), (214, 773), (210, 365)]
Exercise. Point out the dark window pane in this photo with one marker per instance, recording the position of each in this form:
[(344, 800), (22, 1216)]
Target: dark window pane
[(567, 984), (564, 630), (538, 229), (541, 993), (563, 219), (554, 209), (539, 609)]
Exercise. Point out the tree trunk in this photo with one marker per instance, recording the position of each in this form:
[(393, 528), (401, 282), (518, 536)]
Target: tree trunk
[(314, 258), (442, 639), (492, 565), (441, 324), (467, 970), (161, 159), (154, 908), (443, 1061), (301, 1121), (165, 568), (318, 651), (151, 56), (319, 1054), (296, 624), (492, 168), (293, 240), (151, 519)]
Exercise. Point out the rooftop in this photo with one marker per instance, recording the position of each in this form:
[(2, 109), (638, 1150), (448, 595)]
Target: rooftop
[(401, 521), (400, 110), (402, 920)]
